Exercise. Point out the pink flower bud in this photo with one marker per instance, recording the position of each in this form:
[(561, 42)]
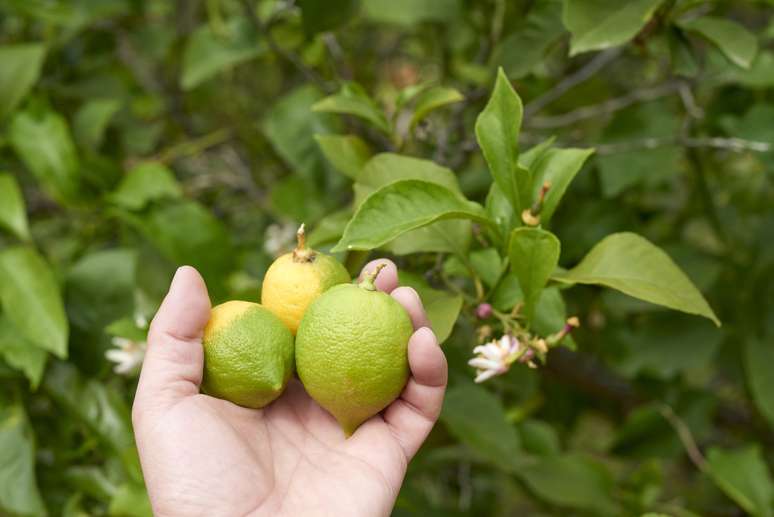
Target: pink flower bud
[(484, 311)]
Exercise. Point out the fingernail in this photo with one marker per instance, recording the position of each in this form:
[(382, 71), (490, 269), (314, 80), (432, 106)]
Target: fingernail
[(428, 333)]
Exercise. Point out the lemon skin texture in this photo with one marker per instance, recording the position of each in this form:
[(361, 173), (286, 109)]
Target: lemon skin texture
[(351, 352), (290, 284), (248, 354)]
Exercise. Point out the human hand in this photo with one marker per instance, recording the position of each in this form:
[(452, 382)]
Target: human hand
[(205, 456)]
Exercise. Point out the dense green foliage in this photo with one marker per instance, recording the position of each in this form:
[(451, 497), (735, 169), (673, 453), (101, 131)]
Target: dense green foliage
[(138, 135)]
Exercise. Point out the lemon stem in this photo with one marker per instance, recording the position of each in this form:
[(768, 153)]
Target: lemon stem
[(369, 278), (302, 253)]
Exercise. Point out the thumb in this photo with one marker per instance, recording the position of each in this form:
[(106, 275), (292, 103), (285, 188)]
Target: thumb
[(173, 363)]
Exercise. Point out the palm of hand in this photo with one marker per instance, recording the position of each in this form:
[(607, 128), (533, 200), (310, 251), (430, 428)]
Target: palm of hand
[(289, 459), (205, 456)]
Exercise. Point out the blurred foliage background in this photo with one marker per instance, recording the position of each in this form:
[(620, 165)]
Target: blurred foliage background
[(138, 135)]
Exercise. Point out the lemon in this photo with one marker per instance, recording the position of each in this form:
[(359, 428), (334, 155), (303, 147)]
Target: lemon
[(248, 354), (351, 351), (295, 279)]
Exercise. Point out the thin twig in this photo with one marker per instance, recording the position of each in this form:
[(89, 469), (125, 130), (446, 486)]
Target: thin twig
[(730, 144), (288, 56), (685, 435), (605, 108), (193, 146), (592, 67)]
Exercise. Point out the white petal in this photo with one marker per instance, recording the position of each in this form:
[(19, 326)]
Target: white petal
[(121, 342), (117, 356), (485, 375), (484, 364), (493, 352)]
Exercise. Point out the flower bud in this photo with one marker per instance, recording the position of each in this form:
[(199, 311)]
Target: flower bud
[(484, 311)]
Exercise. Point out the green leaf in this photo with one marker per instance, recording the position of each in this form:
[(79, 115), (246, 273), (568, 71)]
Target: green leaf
[(743, 475), (497, 132), (403, 206), (101, 408), (31, 300), (291, 128), (601, 24), (13, 213), (432, 99), (759, 357), (19, 71), (100, 288), (558, 166), (386, 168), (144, 184), (43, 142), (499, 210), (539, 437), (347, 153), (353, 100), (19, 494), (487, 264), (442, 307), (208, 53), (410, 12), (317, 16), (573, 481), (534, 255), (521, 51), (20, 353), (91, 121), (635, 266), (737, 43), (477, 418)]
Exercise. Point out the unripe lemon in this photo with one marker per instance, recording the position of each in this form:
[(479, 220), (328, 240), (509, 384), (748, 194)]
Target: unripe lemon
[(296, 279), (248, 354), (351, 351)]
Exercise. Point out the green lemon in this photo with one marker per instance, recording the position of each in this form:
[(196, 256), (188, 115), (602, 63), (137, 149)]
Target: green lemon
[(351, 351), (296, 279), (248, 354)]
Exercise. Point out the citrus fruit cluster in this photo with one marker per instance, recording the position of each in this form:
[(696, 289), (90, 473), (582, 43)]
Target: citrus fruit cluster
[(348, 342)]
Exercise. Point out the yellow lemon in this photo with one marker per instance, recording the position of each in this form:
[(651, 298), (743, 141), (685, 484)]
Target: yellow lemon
[(351, 351), (296, 279), (248, 354)]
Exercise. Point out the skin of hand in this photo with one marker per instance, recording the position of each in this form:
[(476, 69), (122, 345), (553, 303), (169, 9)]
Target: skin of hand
[(205, 456)]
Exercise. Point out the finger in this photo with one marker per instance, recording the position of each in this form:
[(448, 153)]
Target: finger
[(410, 301), (412, 416), (173, 363), (387, 280)]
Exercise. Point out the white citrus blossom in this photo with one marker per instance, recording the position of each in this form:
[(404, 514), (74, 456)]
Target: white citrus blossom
[(495, 357), (127, 355)]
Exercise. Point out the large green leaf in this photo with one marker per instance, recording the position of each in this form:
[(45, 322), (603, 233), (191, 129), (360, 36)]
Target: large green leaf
[(497, 132), (43, 142), (19, 494), (92, 119), (635, 266), (432, 99), (737, 43), (534, 255), (347, 153), (572, 480), (759, 358), (524, 49), (743, 475), (20, 353), (403, 206), (601, 24), (30, 296), (13, 213), (410, 12), (208, 52), (353, 100), (19, 70), (477, 418), (442, 307), (143, 184), (386, 168), (558, 166)]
